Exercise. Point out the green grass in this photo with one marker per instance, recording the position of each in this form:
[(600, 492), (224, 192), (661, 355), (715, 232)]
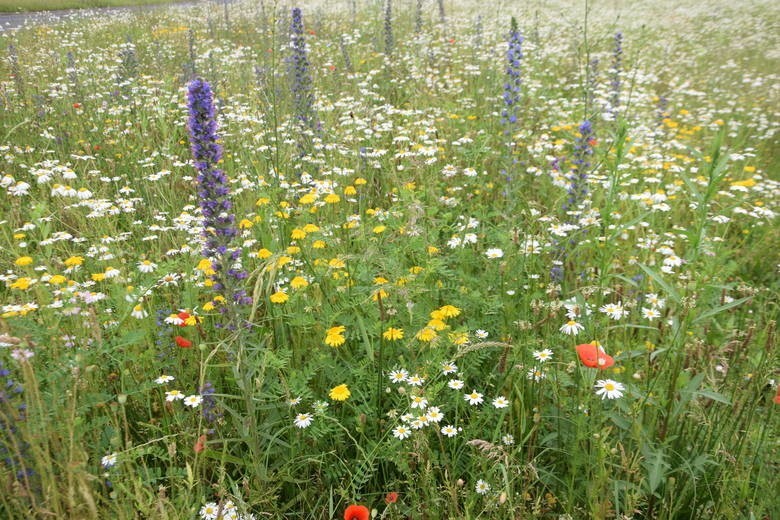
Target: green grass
[(23, 6), (408, 231)]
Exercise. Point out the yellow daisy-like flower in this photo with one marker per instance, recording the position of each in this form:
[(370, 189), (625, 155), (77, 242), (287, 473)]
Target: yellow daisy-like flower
[(332, 198), (381, 293), (74, 261), (380, 229), (340, 393), (23, 261), (298, 234), (350, 190), (426, 334), (311, 228), (264, 253), (449, 311), (245, 224), (319, 244), (21, 283), (309, 198), (393, 334), (98, 277), (298, 282), (334, 336), (336, 263), (437, 324), (279, 297), (57, 279)]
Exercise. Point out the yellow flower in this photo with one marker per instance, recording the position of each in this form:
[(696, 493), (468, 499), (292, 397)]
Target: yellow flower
[(309, 198), (379, 229), (208, 306), (298, 282), (340, 393), (264, 253), (449, 311), (74, 261), (57, 279), (262, 201), (98, 277), (381, 293), (279, 297), (436, 324), (245, 224), (319, 244), (337, 263), (334, 336), (293, 250), (393, 334), (311, 228), (350, 190), (332, 198), (459, 338), (360, 181), (379, 280), (21, 283), (23, 261), (298, 234), (432, 250), (426, 334)]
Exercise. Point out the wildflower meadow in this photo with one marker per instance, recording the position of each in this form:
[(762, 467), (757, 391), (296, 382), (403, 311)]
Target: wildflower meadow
[(394, 259)]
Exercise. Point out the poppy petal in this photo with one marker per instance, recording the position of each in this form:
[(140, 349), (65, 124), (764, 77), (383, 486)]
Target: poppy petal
[(355, 512)]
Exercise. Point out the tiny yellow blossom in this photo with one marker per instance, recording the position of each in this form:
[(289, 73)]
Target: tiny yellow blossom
[(393, 334), (340, 393)]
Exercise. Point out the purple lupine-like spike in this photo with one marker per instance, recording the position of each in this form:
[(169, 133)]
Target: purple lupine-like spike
[(219, 227), (300, 76), (511, 97), (617, 66)]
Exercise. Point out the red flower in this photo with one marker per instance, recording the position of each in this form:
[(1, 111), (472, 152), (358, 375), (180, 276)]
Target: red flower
[(183, 317), (391, 498), (777, 397), (183, 342), (592, 355), (354, 512)]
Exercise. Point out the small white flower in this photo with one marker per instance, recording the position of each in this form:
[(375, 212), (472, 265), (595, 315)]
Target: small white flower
[(482, 487), (303, 420), (455, 384), (294, 401), (543, 355), (508, 440), (481, 334), (401, 432), (193, 401), (173, 395), (415, 380), (650, 314), (399, 376), (449, 431), (500, 402), (108, 461), (209, 511), (146, 266), (609, 389), (448, 368), (164, 379), (535, 374), (614, 310), (434, 415), (420, 402), (572, 328), (474, 398), (494, 253)]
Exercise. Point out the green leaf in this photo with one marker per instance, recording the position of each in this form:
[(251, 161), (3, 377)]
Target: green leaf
[(670, 291), (721, 308), (715, 396)]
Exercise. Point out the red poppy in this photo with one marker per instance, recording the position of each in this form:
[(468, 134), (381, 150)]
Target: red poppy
[(777, 397), (182, 342), (391, 498), (183, 317), (592, 355), (200, 444), (354, 512), (76, 105)]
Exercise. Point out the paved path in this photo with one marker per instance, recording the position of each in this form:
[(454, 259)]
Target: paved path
[(11, 21)]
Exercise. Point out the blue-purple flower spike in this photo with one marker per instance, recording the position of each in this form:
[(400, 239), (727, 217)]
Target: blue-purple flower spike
[(513, 79), (219, 228)]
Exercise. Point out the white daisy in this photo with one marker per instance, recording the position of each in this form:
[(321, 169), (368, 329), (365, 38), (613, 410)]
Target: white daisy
[(164, 379), (415, 380), (494, 252), (108, 460), (482, 487), (399, 376), (193, 401), (543, 355), (173, 395), (449, 431), (401, 432), (455, 384), (420, 402), (572, 328), (500, 402), (448, 368), (303, 420), (609, 389), (474, 398)]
